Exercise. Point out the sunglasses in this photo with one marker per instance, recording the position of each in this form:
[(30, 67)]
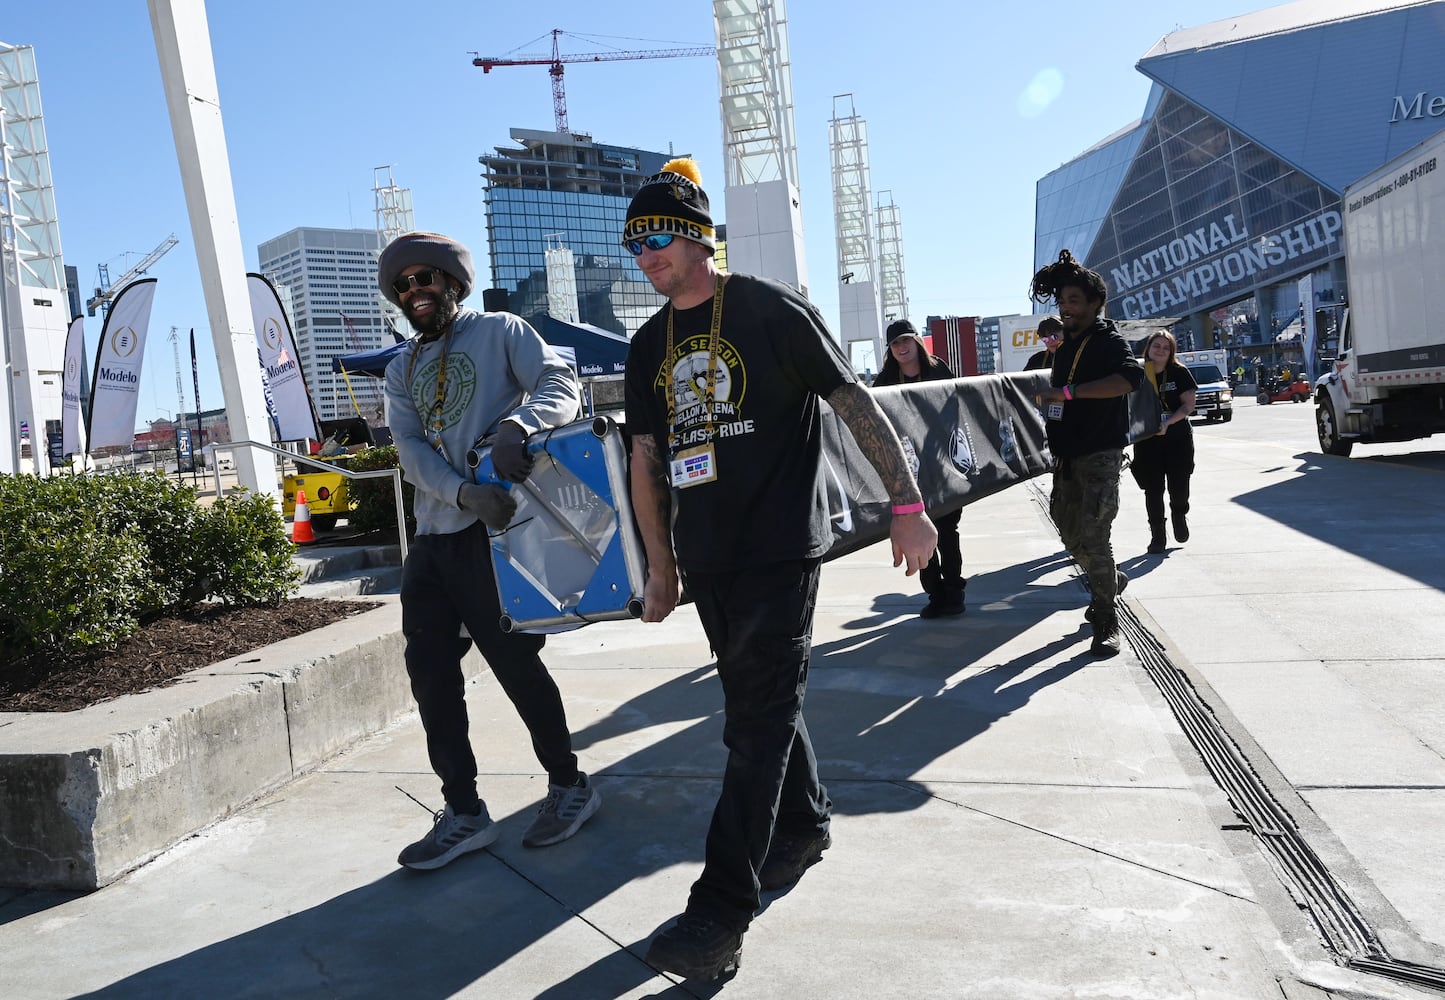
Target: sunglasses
[(654, 242), (422, 279)]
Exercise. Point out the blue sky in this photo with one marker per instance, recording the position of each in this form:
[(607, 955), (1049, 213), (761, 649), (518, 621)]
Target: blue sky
[(967, 106)]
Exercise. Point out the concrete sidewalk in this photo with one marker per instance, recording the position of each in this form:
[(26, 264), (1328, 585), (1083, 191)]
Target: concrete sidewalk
[(1013, 818)]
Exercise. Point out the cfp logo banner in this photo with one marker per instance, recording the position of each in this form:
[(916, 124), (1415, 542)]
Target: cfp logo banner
[(123, 343), (271, 334)]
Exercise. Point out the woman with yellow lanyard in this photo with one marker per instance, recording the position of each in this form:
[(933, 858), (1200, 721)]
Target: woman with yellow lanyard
[(1167, 458)]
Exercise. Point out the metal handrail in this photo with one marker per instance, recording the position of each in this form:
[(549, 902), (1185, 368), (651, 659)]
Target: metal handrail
[(395, 475)]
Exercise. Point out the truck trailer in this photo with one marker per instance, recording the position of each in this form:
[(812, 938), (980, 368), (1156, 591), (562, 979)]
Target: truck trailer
[(1388, 382)]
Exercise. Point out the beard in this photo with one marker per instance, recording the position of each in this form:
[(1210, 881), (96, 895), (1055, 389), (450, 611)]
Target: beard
[(433, 326)]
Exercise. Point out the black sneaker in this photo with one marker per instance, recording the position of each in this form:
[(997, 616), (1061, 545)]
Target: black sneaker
[(696, 948), (452, 835), (790, 856)]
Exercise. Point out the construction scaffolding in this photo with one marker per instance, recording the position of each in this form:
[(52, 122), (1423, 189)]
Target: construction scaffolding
[(892, 284), (394, 216), (32, 327), (859, 327), (760, 148)]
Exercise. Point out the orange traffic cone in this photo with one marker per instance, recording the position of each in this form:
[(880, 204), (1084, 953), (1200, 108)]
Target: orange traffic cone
[(301, 533)]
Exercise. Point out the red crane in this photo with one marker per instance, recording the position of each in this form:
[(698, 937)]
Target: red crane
[(555, 68)]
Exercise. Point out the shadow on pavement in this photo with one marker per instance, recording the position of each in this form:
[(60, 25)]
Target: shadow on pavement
[(883, 705), (1386, 511)]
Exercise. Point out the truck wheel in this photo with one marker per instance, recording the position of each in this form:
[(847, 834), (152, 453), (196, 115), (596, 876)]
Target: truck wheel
[(323, 522), (1262, 399), (1227, 416), (1329, 430)]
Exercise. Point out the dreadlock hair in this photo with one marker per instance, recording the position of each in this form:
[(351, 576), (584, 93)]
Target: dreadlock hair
[(1067, 272)]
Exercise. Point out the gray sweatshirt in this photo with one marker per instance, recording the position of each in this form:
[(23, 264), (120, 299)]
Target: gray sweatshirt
[(497, 368)]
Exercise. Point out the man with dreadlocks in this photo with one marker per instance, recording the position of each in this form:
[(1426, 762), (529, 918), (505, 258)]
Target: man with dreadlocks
[(464, 378), (1088, 427)]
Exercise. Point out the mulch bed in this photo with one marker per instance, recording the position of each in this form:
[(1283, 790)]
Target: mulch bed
[(163, 650)]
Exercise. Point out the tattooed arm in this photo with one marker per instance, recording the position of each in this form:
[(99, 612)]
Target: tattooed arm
[(913, 535), (652, 506)]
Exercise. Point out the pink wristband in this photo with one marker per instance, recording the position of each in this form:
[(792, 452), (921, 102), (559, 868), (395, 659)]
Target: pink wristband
[(908, 508), (1068, 394)]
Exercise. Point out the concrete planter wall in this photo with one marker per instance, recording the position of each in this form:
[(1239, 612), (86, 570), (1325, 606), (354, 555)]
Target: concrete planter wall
[(87, 796)]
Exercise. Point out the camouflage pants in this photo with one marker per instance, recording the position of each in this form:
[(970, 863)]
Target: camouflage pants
[(1084, 503)]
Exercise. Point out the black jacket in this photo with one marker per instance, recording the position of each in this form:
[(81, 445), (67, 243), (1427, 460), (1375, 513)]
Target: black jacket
[(1091, 425)]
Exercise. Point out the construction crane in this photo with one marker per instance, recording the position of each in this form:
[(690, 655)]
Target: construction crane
[(107, 291), (555, 68), (180, 385)]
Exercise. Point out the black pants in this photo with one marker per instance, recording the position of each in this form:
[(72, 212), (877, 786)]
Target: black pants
[(760, 624), (447, 583), (944, 571)]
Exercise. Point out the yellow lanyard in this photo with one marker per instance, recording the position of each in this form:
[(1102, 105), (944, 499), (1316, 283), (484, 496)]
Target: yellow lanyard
[(1079, 354), (710, 392), (1154, 381), (435, 438)]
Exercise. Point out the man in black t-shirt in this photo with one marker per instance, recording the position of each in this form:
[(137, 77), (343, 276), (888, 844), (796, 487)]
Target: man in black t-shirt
[(1088, 427), (723, 388)]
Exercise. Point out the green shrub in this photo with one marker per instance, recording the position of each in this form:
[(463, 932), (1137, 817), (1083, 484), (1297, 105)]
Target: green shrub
[(243, 552), (375, 499), (85, 559), (66, 580), (164, 514)]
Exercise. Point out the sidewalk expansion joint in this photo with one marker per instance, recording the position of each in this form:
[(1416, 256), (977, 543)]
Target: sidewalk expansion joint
[(1093, 849)]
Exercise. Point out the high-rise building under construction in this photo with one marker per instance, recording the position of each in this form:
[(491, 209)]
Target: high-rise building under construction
[(557, 193)]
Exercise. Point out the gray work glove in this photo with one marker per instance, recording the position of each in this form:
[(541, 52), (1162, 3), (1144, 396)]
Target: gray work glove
[(509, 453), (494, 505)]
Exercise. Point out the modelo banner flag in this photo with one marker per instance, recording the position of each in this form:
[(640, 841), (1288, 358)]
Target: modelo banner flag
[(115, 390), (72, 426), (292, 412)]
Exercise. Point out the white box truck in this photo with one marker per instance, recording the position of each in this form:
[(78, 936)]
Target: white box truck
[(1388, 383)]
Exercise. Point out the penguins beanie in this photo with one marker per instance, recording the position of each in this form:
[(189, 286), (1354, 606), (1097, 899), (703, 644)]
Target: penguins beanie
[(672, 201), (431, 249)]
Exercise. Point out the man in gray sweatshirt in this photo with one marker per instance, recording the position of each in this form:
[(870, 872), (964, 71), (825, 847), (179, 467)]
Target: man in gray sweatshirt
[(465, 379)]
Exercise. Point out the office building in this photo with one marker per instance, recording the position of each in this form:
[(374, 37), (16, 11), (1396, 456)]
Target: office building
[(565, 193)]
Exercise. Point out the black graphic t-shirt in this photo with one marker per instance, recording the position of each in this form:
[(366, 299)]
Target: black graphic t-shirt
[(1173, 384), (775, 359)]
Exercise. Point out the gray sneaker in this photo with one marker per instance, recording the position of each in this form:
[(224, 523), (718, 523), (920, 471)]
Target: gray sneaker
[(562, 814), (451, 836)]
